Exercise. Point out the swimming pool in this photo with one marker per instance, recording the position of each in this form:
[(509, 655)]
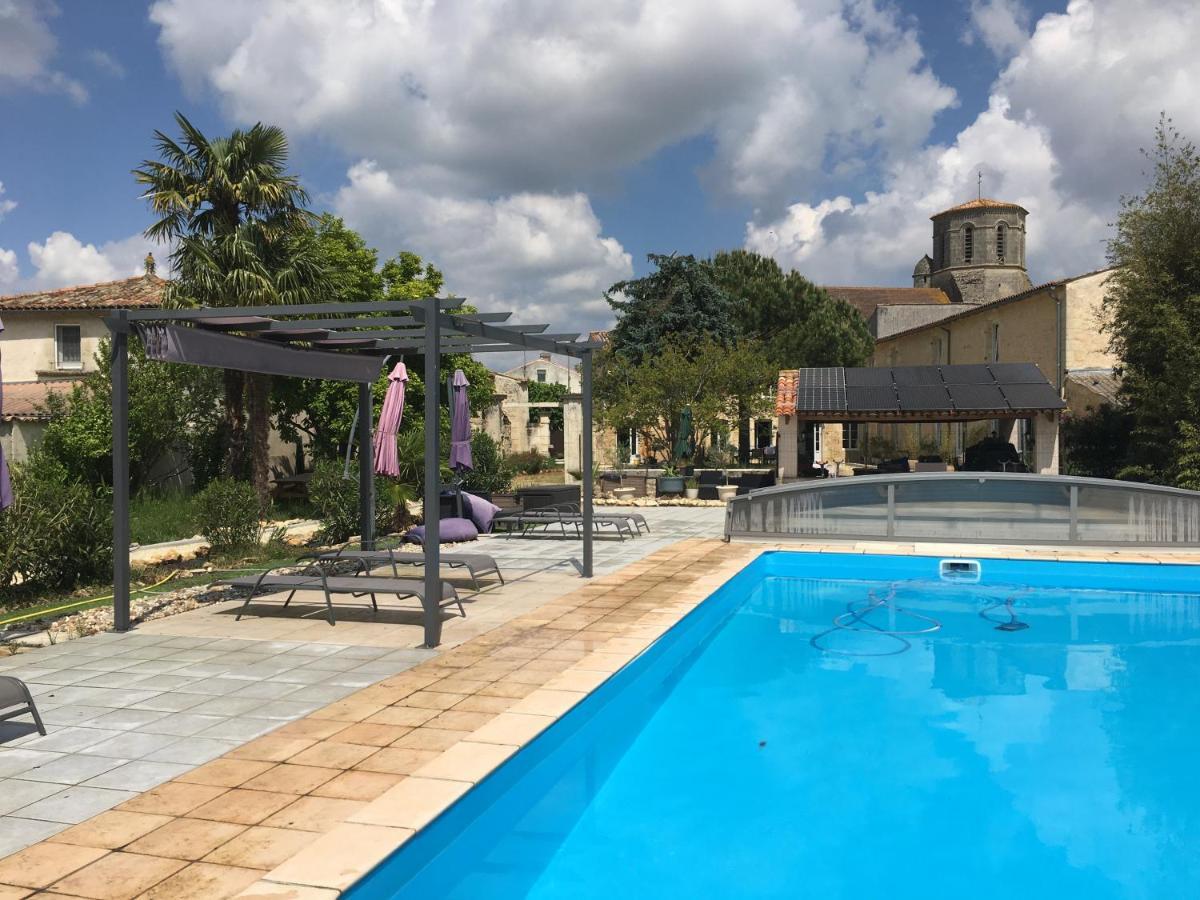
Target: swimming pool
[(1040, 741)]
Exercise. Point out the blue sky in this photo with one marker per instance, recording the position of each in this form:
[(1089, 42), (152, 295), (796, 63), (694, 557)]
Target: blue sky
[(823, 132)]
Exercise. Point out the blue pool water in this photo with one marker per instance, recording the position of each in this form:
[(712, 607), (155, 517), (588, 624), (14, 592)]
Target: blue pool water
[(735, 758)]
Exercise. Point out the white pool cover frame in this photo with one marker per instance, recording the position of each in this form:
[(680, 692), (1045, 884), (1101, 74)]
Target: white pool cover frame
[(982, 507)]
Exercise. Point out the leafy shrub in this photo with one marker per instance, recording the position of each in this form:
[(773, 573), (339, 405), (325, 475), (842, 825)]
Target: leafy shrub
[(227, 514), (58, 532), (1098, 445), (335, 500), (493, 474), (529, 463)]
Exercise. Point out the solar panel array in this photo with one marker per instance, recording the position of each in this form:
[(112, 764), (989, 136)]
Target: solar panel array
[(995, 387)]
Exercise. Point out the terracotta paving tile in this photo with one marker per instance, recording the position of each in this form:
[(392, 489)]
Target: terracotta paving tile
[(457, 685), (348, 711), (356, 785), (43, 864), (510, 689), (271, 748), (287, 778), (190, 839), (396, 760), (412, 681), (119, 876), (225, 772), (409, 716), (334, 754), (110, 830), (466, 761), (9, 892), (315, 813), (270, 890), (413, 803), (577, 680), (243, 807), (370, 734), (172, 799), (338, 859), (433, 699), (428, 738), (204, 881), (261, 847), (545, 702), (511, 728), (459, 719), (317, 729), (481, 704)]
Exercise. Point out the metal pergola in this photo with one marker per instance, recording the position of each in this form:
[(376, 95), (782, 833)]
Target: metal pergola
[(338, 341)]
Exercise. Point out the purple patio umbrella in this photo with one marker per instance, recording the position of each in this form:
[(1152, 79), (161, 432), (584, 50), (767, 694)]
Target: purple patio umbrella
[(6, 498), (390, 415), (460, 424)]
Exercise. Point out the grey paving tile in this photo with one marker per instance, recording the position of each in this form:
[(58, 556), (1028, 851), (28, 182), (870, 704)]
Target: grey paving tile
[(71, 739), (202, 670), (305, 675), (243, 729), (268, 690), (142, 652), (335, 663), (65, 676), (382, 668), (241, 659), (15, 793), (228, 706), (352, 679), (156, 666), (34, 674), (163, 682), (75, 804), (185, 643), (270, 668), (363, 652), (103, 663), (126, 719), (277, 646), (212, 687), (317, 649), (193, 751), (182, 724), (131, 745), (54, 714), (73, 768), (171, 702), (287, 709), (119, 679), (18, 760), (193, 655), (321, 693), (17, 834), (139, 776)]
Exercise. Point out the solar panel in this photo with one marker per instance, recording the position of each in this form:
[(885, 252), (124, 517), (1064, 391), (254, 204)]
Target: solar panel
[(917, 375), (871, 399), (1017, 373), (923, 397), (977, 396), (1032, 396), (821, 389), (970, 374), (868, 378)]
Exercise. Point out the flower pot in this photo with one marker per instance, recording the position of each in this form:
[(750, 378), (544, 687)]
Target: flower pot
[(726, 492), (624, 493), (670, 484), (692, 493)]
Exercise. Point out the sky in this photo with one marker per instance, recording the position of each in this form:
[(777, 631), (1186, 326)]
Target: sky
[(537, 151)]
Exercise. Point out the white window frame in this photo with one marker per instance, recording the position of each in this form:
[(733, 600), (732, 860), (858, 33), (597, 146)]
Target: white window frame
[(851, 435), (816, 442), (59, 363), (541, 376)]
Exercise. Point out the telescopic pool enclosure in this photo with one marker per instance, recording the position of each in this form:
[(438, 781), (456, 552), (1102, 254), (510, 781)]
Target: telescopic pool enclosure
[(335, 341)]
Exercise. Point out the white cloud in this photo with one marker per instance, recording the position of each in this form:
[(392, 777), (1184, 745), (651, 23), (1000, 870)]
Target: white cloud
[(542, 255), (530, 96), (6, 206), (1060, 136), (1001, 25), (27, 47), (63, 260), (8, 268), (106, 63)]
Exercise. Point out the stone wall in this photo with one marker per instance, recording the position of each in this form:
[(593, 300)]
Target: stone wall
[(27, 341)]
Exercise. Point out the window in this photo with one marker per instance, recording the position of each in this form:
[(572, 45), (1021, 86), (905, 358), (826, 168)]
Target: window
[(850, 435), (1001, 236), (541, 376), (68, 353), (816, 442), (968, 243), (993, 349)]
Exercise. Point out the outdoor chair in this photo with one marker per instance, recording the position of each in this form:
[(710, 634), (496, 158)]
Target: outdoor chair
[(568, 514), (322, 576), (14, 693), (476, 564)]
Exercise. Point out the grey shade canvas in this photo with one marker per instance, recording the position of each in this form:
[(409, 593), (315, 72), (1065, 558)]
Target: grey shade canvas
[(173, 343), (460, 423)]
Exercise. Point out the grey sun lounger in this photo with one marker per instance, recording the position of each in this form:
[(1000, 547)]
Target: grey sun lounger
[(476, 564), (13, 692), (319, 579), (630, 523)]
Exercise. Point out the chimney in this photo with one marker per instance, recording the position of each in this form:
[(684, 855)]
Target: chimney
[(149, 262)]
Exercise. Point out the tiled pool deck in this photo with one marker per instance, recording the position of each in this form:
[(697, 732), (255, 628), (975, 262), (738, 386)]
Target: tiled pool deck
[(308, 808)]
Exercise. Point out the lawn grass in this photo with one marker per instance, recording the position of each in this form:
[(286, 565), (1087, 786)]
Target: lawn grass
[(155, 517)]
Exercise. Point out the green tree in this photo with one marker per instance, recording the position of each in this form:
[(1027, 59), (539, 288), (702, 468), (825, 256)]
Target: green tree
[(1153, 303), (408, 277), (546, 392), (240, 235), (1097, 445), (680, 303), (351, 267)]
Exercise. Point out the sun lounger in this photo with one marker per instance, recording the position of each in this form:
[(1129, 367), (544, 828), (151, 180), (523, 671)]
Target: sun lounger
[(623, 523), (14, 693), (569, 511), (476, 564), (319, 578)]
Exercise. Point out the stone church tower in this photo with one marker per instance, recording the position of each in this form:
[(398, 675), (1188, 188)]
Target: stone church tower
[(978, 252)]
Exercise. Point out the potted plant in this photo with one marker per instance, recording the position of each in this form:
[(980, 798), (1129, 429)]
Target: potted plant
[(692, 490), (670, 482), (726, 492)]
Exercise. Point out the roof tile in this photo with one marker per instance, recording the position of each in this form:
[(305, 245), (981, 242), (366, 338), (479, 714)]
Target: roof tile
[(139, 292)]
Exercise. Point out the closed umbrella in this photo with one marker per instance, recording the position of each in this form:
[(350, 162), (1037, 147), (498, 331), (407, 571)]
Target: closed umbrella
[(6, 497), (683, 440), (460, 424), (390, 415)]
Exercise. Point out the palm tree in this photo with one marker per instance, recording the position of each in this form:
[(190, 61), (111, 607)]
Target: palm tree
[(240, 235)]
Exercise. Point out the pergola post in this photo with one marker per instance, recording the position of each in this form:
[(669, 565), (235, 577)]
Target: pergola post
[(120, 461), (366, 468), (589, 483), (433, 487)]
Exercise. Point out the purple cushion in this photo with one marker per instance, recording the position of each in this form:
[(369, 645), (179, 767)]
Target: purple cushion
[(450, 531), (481, 511)]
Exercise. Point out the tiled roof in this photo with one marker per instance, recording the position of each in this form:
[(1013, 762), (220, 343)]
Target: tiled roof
[(128, 293), (866, 299), (1104, 383), (981, 203), (785, 395), (23, 399)]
